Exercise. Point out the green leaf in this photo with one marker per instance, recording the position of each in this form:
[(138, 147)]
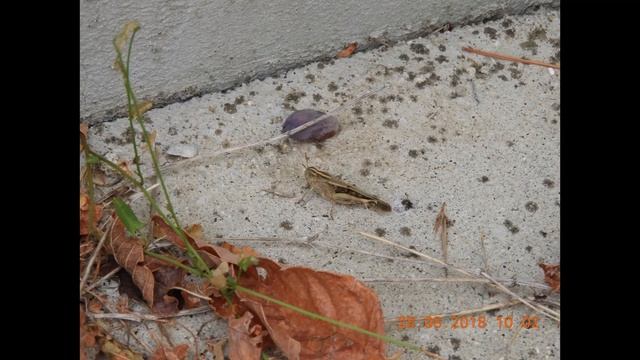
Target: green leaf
[(246, 262), (127, 216)]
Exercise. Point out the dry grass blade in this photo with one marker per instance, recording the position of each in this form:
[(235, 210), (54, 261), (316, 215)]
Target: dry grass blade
[(448, 279), (509, 57), (461, 271), (149, 317), (503, 288), (87, 270), (432, 355), (99, 281), (471, 311), (494, 281)]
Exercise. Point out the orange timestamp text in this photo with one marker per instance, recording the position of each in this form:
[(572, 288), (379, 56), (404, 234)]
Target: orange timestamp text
[(468, 322)]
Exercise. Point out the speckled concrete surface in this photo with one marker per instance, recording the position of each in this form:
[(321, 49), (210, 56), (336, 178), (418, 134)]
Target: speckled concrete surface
[(479, 134)]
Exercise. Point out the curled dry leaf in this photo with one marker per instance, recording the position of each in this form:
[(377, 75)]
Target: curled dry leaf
[(336, 296), (129, 253), (84, 214), (551, 275), (348, 50), (245, 342), (179, 352)]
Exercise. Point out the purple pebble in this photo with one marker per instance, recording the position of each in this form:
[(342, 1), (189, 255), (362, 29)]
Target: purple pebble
[(318, 132)]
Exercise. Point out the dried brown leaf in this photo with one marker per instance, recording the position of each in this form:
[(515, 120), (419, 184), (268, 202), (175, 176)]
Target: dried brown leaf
[(336, 296), (348, 50), (88, 334), (216, 348), (178, 352), (245, 342), (191, 301), (208, 251), (165, 279), (244, 251), (551, 275), (95, 306), (129, 253), (195, 231)]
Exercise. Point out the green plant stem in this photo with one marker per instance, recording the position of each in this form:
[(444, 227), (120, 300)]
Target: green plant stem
[(341, 324), (173, 262), (152, 153), (193, 255), (125, 75)]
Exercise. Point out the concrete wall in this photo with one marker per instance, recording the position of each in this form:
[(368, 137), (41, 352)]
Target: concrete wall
[(187, 48)]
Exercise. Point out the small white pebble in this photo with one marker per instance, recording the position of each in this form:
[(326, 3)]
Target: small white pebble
[(551, 71), (183, 150)]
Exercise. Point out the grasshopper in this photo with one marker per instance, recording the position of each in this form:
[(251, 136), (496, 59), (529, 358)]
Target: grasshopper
[(337, 191)]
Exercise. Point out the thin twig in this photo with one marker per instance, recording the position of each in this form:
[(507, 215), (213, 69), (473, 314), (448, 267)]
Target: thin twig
[(275, 138), (471, 280), (461, 271), (471, 311), (99, 281), (509, 57), (149, 317), (549, 310), (192, 293), (374, 254), (87, 270), (503, 288), (482, 273)]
